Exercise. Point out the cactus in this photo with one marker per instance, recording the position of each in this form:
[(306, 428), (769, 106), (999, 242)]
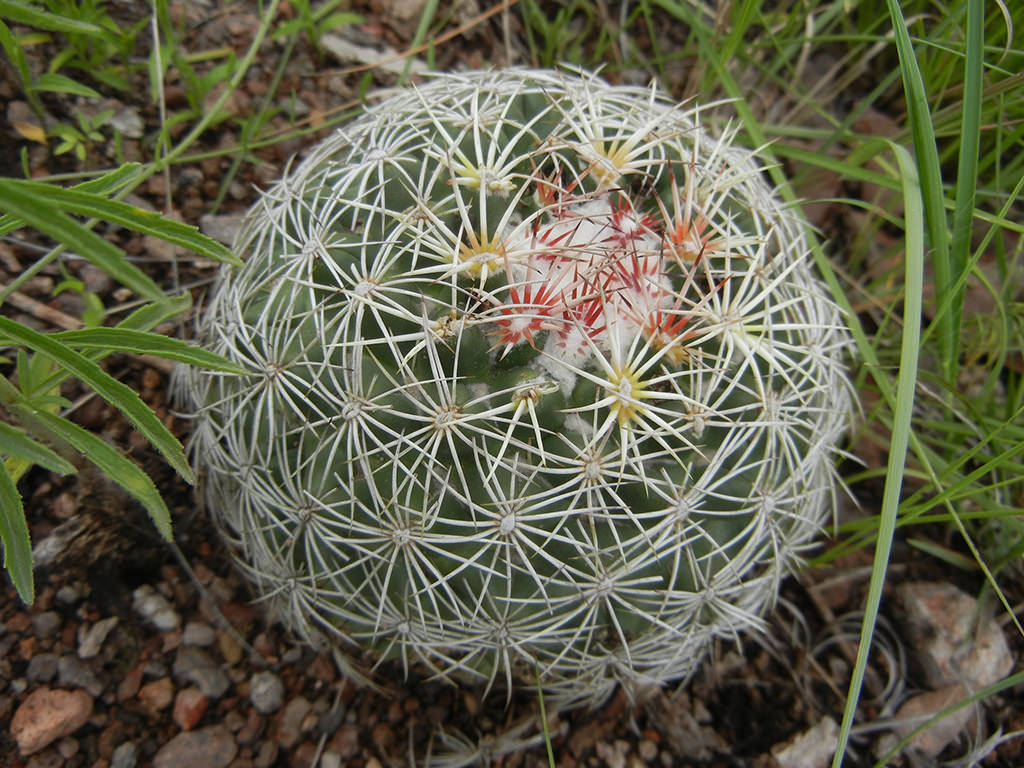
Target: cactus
[(543, 386)]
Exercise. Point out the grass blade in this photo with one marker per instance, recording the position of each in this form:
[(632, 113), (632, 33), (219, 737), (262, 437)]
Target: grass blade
[(930, 178), (110, 389), (967, 162), (14, 536), (901, 431)]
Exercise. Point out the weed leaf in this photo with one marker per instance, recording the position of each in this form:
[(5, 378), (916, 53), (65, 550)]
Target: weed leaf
[(33, 203), (20, 446), (142, 343), (14, 536), (110, 389), (114, 465)]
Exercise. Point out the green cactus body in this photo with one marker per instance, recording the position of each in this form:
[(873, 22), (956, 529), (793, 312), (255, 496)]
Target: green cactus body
[(542, 383)]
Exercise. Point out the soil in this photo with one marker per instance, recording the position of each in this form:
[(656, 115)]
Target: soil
[(192, 688)]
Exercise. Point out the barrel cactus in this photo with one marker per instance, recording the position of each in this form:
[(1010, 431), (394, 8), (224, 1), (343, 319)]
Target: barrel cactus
[(543, 386)]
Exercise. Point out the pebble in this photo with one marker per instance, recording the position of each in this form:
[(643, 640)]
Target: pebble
[(189, 707), (46, 624), (42, 668), (222, 228), (47, 715), (125, 756), (345, 741), (68, 595), (48, 759), (196, 666), (155, 608), (67, 747), (923, 706), (157, 695), (210, 747), (811, 749), (73, 672), (648, 750), (289, 721), (198, 633), (953, 643), (91, 640), (266, 691), (267, 755)]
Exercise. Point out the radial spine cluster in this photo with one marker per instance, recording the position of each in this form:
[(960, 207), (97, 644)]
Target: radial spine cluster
[(542, 385)]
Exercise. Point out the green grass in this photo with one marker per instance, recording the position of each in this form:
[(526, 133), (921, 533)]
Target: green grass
[(930, 269)]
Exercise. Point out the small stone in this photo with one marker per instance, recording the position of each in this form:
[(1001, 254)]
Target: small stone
[(128, 122), (345, 741), (67, 747), (811, 749), (49, 758), (266, 691), (289, 721), (229, 648), (648, 750), (68, 595), (250, 732), (96, 280), (222, 228), (155, 608), (210, 747), (196, 666), (199, 634), (73, 672), (46, 624), (42, 668), (189, 707), (47, 715), (383, 737), (125, 756), (157, 695), (330, 760), (91, 640), (267, 755), (129, 685)]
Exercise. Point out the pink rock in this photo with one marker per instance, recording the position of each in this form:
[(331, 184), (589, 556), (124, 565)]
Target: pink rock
[(922, 707), (953, 643), (189, 707), (47, 715), (210, 747)]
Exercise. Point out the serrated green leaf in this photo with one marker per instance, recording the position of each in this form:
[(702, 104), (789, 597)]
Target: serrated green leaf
[(37, 210), (142, 343), (147, 222), (15, 538), (106, 386), (20, 446), (54, 82), (114, 465), (23, 13)]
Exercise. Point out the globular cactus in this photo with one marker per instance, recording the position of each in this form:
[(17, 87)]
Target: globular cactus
[(543, 386)]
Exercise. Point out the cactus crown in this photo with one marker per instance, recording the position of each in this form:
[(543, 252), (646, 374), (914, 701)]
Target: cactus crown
[(542, 383)]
